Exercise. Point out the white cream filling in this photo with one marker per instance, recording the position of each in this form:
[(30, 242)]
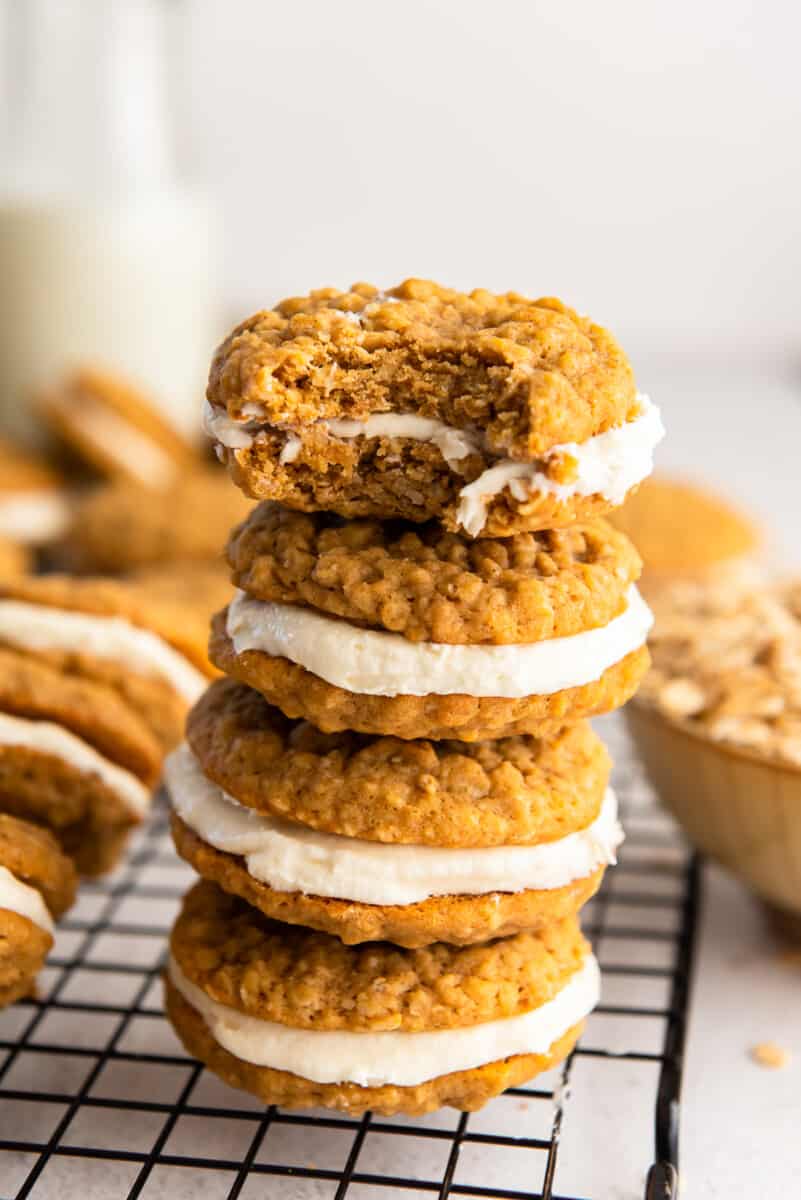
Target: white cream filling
[(608, 464), (141, 457), (47, 738), (404, 1059), (33, 517), (376, 663), (292, 858), (39, 627), (26, 901)]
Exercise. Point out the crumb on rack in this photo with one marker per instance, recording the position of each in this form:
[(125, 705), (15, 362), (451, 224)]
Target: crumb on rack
[(769, 1054)]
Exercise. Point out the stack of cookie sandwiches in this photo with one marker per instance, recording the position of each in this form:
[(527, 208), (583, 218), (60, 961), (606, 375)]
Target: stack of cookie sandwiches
[(96, 677), (394, 799)]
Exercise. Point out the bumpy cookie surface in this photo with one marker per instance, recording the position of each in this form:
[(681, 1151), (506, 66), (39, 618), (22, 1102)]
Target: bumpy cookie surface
[(498, 793), (124, 527), (32, 855), (465, 1090), (299, 693), (530, 373), (429, 585), (308, 980), (520, 376), (459, 920), (23, 949)]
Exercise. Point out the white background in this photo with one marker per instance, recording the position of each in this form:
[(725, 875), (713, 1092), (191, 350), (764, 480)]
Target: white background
[(638, 158)]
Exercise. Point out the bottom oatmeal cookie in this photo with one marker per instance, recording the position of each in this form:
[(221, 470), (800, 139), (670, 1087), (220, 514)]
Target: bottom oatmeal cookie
[(300, 1019)]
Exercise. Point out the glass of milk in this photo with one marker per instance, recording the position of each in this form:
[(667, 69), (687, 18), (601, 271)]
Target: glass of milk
[(106, 251)]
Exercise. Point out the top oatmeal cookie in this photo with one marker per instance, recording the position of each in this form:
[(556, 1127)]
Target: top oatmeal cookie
[(492, 413)]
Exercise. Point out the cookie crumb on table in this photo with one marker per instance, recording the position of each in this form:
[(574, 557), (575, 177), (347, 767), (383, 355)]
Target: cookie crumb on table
[(769, 1054)]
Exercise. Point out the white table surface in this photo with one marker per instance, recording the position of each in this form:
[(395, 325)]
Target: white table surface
[(740, 430)]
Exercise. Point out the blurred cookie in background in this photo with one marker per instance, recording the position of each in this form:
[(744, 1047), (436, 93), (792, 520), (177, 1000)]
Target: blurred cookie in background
[(187, 595), (118, 433), (683, 531), (37, 885), (34, 503), (124, 527), (15, 559)]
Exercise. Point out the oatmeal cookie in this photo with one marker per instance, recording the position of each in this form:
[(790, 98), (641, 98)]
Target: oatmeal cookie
[(144, 644), (15, 559), (430, 585), (289, 983), (300, 694), (115, 430), (460, 920), (125, 527), (519, 790), (683, 530), (422, 402), (37, 884), (34, 504)]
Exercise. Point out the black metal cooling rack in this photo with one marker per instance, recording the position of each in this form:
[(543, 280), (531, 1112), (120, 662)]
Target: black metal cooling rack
[(98, 1100)]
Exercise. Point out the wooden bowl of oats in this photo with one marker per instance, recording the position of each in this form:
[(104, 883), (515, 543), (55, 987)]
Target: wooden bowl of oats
[(718, 726)]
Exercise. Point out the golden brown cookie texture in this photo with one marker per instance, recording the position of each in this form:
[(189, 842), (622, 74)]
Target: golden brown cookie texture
[(34, 690), (15, 559), (520, 378), (464, 1090), (529, 373), (89, 412), (300, 694), (125, 527), (33, 858), (32, 855), (21, 471), (520, 790), (684, 530), (430, 585), (308, 980), (460, 920)]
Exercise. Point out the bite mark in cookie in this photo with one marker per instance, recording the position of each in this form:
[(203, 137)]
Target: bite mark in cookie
[(491, 413)]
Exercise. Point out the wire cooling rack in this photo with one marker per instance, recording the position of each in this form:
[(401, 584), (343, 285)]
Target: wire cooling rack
[(98, 1100)]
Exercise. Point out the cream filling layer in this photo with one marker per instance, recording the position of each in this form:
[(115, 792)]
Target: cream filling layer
[(403, 1059), (48, 738), (139, 455), (375, 663), (292, 858), (33, 517), (608, 464), (39, 627), (26, 901)]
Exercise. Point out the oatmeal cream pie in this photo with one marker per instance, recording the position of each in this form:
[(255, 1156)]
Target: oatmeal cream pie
[(115, 429), (74, 757), (396, 848), (37, 885), (34, 505), (415, 632), (491, 413), (299, 1019), (114, 633)]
